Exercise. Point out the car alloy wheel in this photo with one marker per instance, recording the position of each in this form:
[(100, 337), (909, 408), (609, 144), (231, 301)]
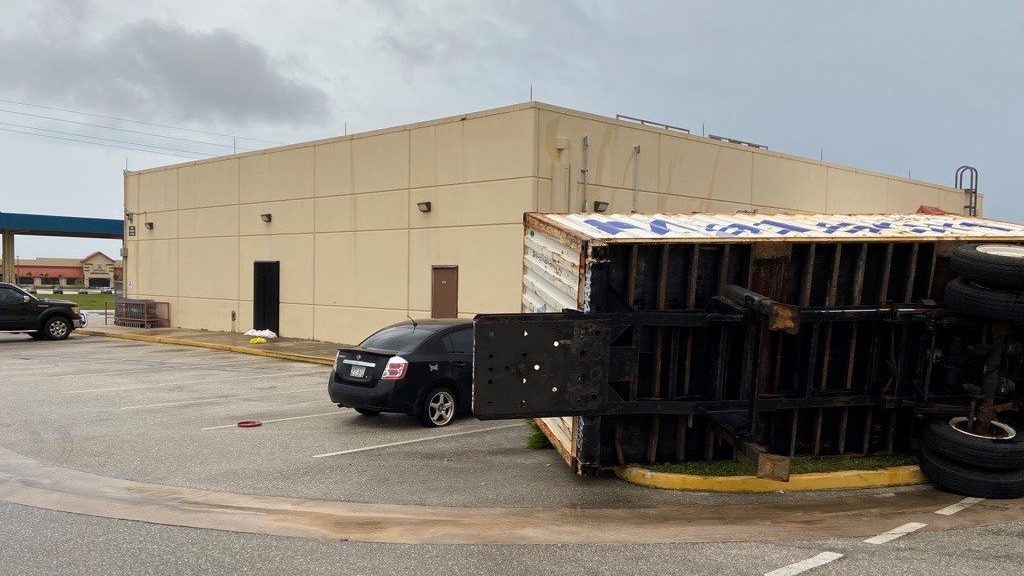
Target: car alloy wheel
[(57, 329), (441, 407)]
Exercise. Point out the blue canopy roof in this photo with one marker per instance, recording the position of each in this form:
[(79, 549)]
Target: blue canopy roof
[(41, 225)]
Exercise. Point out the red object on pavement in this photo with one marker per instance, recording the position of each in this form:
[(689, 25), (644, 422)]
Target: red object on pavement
[(249, 423)]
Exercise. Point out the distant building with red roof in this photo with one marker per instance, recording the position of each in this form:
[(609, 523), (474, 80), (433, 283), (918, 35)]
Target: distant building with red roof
[(95, 270)]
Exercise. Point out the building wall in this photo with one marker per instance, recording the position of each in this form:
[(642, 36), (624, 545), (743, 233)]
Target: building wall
[(679, 172), (356, 253)]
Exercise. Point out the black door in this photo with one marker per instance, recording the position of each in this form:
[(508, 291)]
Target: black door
[(266, 296)]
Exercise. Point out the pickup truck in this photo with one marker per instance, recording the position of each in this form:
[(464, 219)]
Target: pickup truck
[(21, 312)]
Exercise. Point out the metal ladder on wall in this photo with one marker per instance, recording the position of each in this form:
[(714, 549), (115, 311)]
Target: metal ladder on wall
[(971, 189)]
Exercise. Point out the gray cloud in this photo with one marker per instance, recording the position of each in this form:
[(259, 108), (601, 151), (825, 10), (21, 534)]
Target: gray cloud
[(157, 70)]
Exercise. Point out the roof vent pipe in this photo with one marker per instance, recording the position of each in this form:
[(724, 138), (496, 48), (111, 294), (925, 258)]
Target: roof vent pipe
[(585, 170), (636, 177)]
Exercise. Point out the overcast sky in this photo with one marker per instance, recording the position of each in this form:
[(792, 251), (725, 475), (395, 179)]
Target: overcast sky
[(889, 86)]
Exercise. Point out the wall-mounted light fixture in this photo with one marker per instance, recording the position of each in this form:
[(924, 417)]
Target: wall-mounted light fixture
[(149, 225), (266, 217), (600, 206), (423, 206)]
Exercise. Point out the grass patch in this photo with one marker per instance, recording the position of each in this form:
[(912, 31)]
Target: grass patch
[(801, 466), (84, 301), (536, 440)]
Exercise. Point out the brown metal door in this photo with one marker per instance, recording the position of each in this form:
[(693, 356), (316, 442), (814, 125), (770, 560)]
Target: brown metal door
[(444, 294)]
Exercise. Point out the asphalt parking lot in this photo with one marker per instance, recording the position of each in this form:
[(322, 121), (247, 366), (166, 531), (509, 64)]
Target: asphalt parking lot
[(165, 415)]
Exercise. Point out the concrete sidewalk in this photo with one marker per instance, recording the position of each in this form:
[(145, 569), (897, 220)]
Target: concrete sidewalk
[(284, 348)]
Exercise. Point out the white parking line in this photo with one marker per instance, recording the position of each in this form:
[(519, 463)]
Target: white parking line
[(241, 376), (204, 400), (279, 419), (403, 442), (131, 371), (961, 505), (805, 565), (895, 533)]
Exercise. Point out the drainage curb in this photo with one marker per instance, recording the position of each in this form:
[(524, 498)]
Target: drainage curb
[(213, 346), (841, 480)]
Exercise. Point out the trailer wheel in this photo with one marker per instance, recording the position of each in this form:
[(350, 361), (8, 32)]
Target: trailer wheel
[(972, 299), (1001, 449), (971, 481), (999, 265)]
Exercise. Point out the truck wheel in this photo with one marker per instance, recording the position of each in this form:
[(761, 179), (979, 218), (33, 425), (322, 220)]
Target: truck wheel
[(998, 265), (972, 299), (57, 328), (438, 408), (1001, 449), (971, 481)]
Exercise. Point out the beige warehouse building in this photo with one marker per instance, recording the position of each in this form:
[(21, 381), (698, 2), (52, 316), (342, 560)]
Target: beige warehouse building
[(343, 216)]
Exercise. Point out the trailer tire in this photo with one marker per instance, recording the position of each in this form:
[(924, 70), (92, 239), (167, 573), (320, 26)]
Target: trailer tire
[(942, 438), (972, 299), (998, 265), (970, 481)]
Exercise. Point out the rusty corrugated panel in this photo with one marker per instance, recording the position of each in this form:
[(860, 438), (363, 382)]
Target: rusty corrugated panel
[(767, 227)]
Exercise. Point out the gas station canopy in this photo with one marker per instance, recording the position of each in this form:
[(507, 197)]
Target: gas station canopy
[(41, 225)]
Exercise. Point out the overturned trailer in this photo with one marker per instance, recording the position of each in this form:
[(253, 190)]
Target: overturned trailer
[(672, 338)]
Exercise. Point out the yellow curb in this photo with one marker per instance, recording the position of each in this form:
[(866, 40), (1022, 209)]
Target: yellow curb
[(841, 480), (213, 346)]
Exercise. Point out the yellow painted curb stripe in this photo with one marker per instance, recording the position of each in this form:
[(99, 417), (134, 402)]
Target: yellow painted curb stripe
[(214, 346), (842, 480)]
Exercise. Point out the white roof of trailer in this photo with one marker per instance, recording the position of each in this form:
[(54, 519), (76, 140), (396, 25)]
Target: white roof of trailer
[(743, 226)]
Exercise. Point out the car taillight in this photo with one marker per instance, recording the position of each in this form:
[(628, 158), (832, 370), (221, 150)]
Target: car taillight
[(396, 368), (337, 359)]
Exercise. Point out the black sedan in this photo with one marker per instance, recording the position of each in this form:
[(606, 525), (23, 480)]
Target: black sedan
[(422, 368)]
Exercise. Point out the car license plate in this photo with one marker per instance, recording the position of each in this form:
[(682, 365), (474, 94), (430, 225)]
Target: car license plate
[(358, 371)]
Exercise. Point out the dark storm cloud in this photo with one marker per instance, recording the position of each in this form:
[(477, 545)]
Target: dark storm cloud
[(152, 69)]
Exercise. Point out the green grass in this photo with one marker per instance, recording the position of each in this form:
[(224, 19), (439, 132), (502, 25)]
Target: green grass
[(84, 301), (800, 466), (536, 440)]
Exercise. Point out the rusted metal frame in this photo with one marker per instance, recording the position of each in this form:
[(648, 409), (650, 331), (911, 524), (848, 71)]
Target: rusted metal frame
[(634, 265), (688, 407), (931, 270), (830, 300), (793, 428), (811, 361), (908, 294), (723, 271), (654, 431), (858, 293), (873, 350), (755, 332), (681, 424), (831, 293), (691, 302), (722, 362), (619, 455)]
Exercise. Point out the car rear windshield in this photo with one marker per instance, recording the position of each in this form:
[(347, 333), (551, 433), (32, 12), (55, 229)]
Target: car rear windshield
[(403, 338)]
